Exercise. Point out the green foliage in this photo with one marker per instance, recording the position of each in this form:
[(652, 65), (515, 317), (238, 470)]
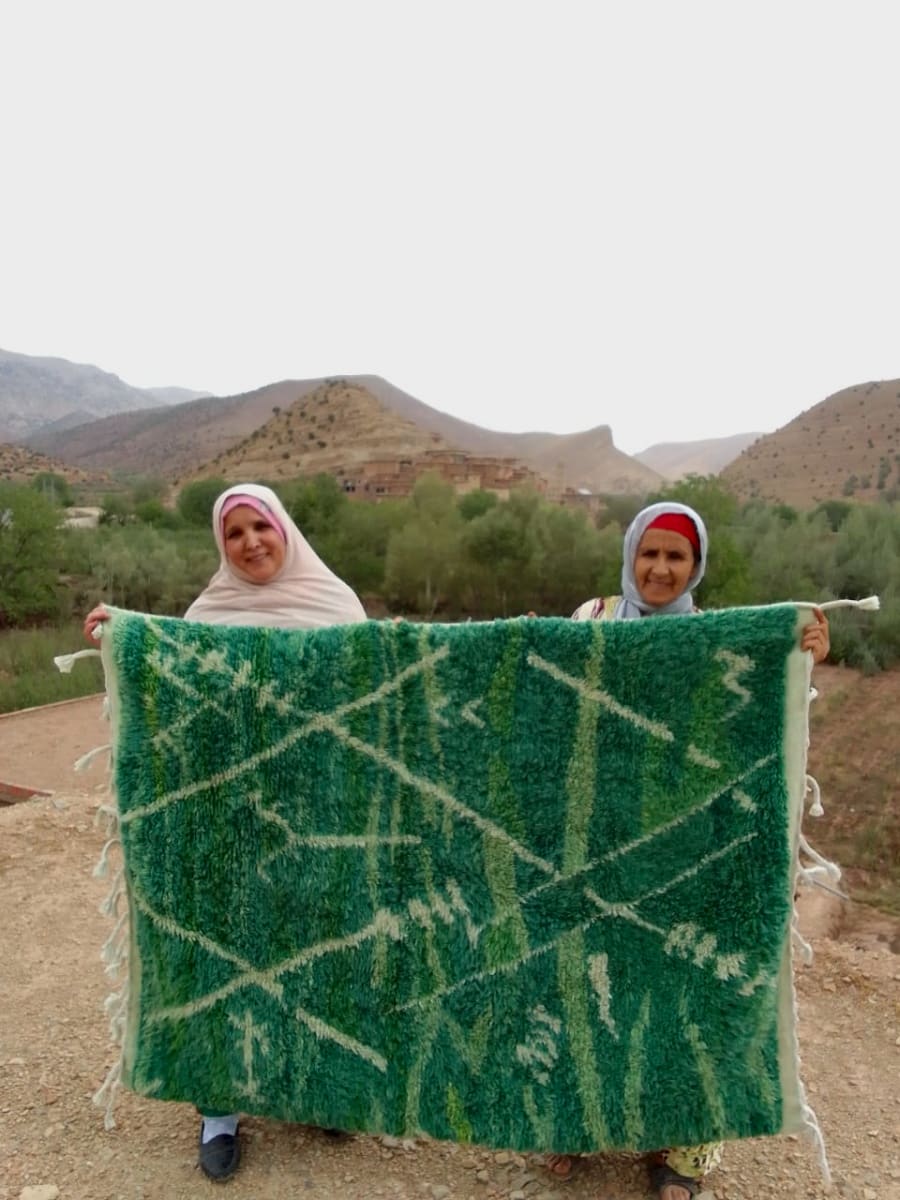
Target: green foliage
[(27, 674), (835, 512), (316, 505), (477, 556), (196, 500), (29, 539), (147, 488), (116, 509), (53, 487), (355, 547), (476, 504), (498, 548), (569, 556), (713, 501), (619, 511), (135, 566), (421, 568), (151, 512)]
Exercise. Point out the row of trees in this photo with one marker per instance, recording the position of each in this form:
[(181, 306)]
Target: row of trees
[(437, 555)]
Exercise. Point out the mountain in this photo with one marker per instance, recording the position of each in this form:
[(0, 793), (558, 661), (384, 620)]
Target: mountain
[(176, 395), (334, 428), (373, 420), (18, 464), (708, 456), (848, 445), (587, 460), (35, 392), (172, 441)]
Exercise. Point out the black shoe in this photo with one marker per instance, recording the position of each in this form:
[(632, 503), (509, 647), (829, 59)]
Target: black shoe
[(337, 1135), (219, 1157)]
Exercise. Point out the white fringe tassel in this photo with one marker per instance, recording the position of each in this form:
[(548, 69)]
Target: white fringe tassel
[(815, 809), (115, 949), (869, 604), (820, 870), (65, 662), (115, 957), (85, 761)]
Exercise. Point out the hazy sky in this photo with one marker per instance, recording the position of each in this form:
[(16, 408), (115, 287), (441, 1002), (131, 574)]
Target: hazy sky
[(677, 219)]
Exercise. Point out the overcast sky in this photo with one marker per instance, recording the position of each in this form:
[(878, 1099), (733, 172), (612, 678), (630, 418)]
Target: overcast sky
[(677, 219)]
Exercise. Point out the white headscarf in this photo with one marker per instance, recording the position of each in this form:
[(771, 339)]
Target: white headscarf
[(632, 603), (304, 595)]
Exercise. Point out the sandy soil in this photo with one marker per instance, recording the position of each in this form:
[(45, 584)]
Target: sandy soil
[(54, 1048)]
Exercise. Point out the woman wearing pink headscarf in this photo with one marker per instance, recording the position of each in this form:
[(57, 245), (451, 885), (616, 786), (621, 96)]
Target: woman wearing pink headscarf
[(268, 575)]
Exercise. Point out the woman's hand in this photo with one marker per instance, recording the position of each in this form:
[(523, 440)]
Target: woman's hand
[(815, 636), (94, 618)]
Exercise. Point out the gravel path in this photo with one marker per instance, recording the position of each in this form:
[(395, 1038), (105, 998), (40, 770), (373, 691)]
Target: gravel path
[(54, 1049)]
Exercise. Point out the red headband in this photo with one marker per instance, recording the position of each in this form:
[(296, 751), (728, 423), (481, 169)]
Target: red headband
[(678, 523)]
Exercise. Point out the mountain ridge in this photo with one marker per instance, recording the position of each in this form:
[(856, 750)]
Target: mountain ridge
[(847, 445), (189, 438), (36, 390)]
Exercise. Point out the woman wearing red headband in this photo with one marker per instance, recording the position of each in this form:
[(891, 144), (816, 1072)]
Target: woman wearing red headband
[(664, 558)]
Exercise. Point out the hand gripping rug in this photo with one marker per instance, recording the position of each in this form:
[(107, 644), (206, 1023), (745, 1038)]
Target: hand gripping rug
[(524, 883)]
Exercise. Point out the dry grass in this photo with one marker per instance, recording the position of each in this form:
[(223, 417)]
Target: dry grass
[(855, 756)]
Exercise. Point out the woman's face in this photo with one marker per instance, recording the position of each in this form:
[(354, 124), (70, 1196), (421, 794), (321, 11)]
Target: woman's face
[(252, 545), (662, 566)]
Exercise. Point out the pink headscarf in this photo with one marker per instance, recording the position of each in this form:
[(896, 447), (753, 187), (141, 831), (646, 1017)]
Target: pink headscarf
[(304, 595), (241, 500)]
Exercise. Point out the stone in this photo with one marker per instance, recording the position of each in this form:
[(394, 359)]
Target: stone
[(40, 1191)]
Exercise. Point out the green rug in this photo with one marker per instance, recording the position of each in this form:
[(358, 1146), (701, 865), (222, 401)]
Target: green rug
[(524, 883)]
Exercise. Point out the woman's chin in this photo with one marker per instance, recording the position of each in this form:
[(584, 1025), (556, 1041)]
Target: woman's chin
[(258, 574), (659, 600)]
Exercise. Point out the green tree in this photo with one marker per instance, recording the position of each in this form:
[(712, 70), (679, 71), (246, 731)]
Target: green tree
[(422, 563), (147, 488), (707, 494), (497, 550), (315, 505), (476, 504), (196, 500), (835, 512), (568, 558), (115, 509), (355, 547), (151, 512), (54, 487), (29, 541)]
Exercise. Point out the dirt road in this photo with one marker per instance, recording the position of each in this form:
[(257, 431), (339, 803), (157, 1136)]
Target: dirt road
[(54, 1048)]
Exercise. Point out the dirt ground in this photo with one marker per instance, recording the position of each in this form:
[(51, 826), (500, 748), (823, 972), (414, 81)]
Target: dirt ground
[(54, 1048)]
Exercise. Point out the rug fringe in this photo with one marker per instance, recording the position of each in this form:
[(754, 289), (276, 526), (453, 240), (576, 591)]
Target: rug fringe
[(803, 873), (114, 953), (812, 785), (65, 662), (85, 761)]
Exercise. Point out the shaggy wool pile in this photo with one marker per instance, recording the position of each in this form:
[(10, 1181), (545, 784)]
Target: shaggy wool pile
[(525, 883)]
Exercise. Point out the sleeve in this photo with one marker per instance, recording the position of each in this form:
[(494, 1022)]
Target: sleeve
[(591, 610)]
